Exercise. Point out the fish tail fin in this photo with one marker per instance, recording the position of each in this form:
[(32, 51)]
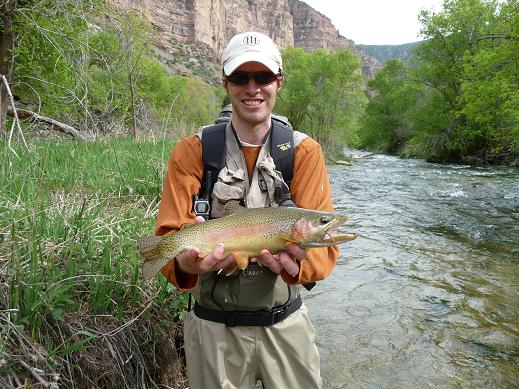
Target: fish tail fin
[(147, 246), (154, 259), (150, 268)]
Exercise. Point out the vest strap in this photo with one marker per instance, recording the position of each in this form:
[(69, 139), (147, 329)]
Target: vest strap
[(248, 318), (282, 150)]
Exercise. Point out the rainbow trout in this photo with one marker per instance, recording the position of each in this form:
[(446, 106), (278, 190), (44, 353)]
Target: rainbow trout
[(244, 233)]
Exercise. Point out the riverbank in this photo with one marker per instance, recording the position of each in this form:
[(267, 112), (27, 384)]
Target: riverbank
[(72, 308)]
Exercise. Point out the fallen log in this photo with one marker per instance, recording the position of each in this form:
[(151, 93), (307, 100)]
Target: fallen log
[(53, 124)]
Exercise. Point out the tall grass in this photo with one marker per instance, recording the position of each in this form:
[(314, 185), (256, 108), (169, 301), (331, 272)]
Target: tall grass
[(73, 310)]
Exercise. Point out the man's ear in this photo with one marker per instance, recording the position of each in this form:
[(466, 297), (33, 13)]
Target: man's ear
[(280, 81), (224, 83)]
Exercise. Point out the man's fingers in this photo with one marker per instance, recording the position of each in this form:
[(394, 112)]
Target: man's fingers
[(284, 260), (199, 219), (270, 261), (218, 251), (295, 251), (224, 263), (290, 266), (266, 259), (189, 254)]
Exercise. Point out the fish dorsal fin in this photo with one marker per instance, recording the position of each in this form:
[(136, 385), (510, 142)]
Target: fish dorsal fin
[(231, 207)]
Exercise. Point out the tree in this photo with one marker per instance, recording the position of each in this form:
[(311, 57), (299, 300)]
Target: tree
[(459, 99), (385, 125), (298, 91), (41, 44), (466, 63), (323, 93), (490, 89), (119, 56), (7, 9)]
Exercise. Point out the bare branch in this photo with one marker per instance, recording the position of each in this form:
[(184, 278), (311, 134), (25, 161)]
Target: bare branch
[(16, 120), (35, 374), (49, 122)]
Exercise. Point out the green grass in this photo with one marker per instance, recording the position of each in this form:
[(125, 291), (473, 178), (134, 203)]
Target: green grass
[(70, 214)]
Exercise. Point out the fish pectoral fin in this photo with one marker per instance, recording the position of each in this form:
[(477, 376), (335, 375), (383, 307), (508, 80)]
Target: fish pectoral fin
[(231, 269), (242, 260)]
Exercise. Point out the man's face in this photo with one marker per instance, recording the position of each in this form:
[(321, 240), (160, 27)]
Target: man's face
[(252, 102)]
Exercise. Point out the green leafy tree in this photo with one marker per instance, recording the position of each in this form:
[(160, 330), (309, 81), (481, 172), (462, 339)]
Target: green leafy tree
[(490, 89), (202, 103), (385, 125), (298, 92), (120, 63), (466, 63), (41, 45), (323, 93), (458, 99)]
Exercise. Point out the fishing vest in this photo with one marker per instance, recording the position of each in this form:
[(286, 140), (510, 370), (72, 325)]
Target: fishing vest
[(256, 287)]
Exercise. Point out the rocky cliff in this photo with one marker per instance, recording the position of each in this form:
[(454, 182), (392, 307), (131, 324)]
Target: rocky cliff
[(199, 29), (313, 30)]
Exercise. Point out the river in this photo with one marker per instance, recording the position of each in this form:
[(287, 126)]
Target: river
[(428, 294)]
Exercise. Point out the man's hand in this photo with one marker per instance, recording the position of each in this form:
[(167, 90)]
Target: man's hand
[(287, 260), (190, 262)]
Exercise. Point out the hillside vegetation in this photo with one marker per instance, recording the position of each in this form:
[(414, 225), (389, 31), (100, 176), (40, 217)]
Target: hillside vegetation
[(384, 53), (93, 68)]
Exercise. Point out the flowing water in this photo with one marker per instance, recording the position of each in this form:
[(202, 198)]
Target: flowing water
[(428, 294)]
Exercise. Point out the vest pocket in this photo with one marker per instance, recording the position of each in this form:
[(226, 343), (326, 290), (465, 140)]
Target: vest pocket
[(267, 178), (230, 186)]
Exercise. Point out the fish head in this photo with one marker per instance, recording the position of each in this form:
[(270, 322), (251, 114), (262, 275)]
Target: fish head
[(319, 229)]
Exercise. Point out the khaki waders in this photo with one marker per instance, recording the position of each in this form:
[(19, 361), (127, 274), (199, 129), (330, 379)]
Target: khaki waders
[(282, 356)]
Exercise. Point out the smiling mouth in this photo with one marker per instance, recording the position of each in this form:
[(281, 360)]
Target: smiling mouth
[(252, 103)]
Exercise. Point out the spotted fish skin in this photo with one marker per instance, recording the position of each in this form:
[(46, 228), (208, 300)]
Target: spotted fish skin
[(245, 232)]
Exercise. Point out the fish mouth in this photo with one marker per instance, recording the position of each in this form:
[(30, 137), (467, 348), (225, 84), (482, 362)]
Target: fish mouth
[(331, 237)]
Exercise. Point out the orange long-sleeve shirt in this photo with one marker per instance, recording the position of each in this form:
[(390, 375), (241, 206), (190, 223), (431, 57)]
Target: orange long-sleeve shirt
[(310, 189)]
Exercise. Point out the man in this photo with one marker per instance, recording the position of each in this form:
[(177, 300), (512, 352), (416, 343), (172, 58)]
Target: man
[(251, 325)]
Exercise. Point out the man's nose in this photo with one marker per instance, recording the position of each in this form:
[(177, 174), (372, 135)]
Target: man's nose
[(251, 84)]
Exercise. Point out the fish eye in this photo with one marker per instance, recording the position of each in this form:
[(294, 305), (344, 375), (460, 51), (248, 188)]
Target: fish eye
[(324, 220)]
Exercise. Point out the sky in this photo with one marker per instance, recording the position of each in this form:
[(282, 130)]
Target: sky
[(376, 22)]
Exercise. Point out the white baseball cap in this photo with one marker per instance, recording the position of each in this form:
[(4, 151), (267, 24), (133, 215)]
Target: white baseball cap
[(251, 47)]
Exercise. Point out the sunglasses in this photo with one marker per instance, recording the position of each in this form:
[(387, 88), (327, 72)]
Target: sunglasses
[(261, 78)]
